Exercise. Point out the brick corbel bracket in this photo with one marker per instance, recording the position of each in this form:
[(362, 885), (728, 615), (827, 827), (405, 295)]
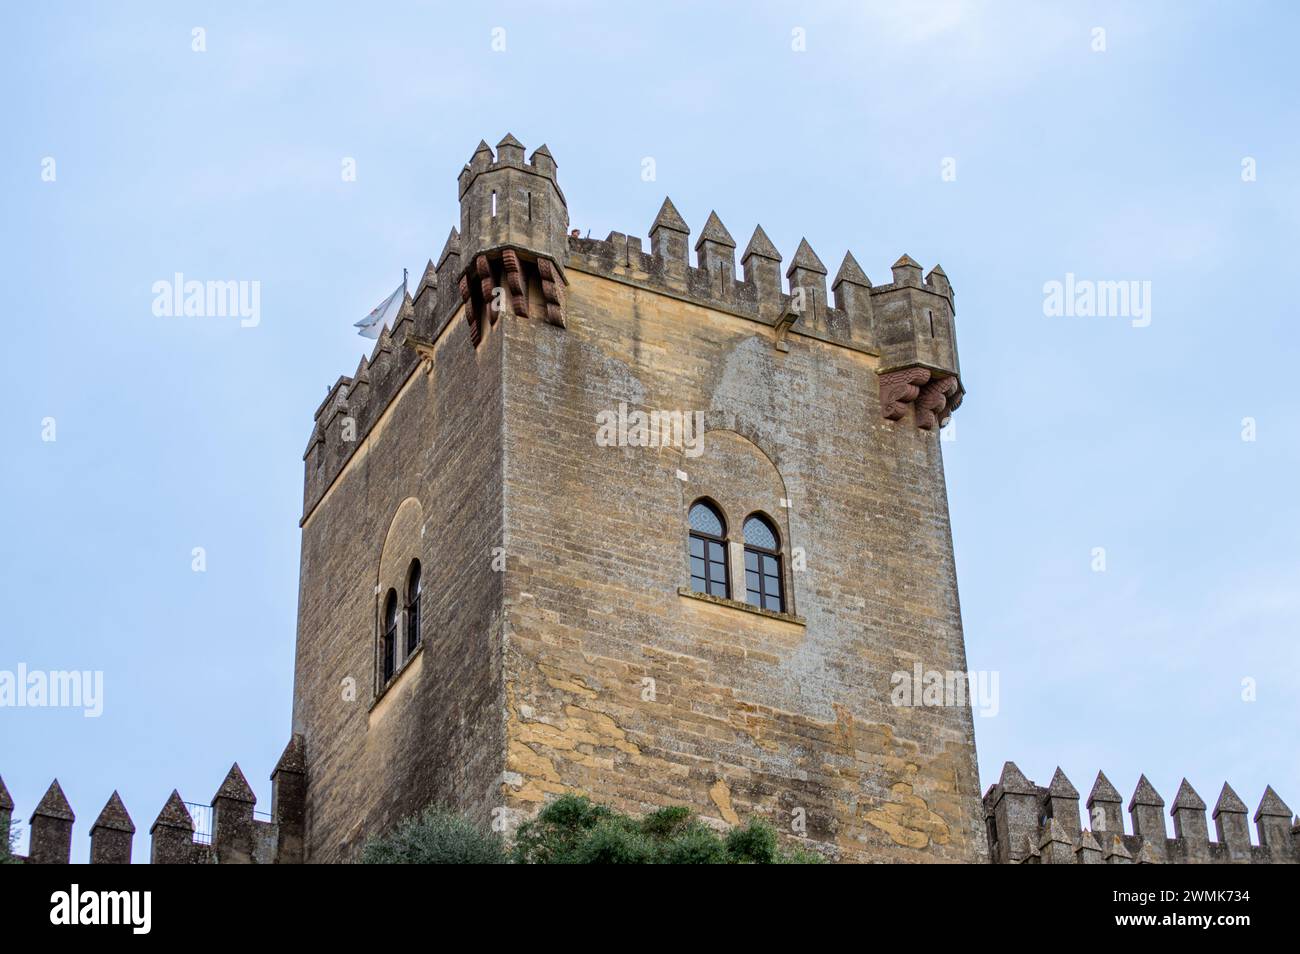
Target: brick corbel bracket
[(510, 269), (932, 395)]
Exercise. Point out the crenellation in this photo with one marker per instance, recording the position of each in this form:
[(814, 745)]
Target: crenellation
[(237, 836), (359, 389), (758, 295), (289, 802), (716, 253), (852, 291), (1055, 847), (403, 324), (1147, 809), (807, 277), (172, 834), (232, 819), (543, 162), (1191, 831), (668, 241), (906, 272), (512, 245), (1230, 828), (1021, 814), (761, 263), (1062, 804), (111, 834), (1013, 807), (1104, 806), (50, 837), (1273, 823), (510, 151), (1087, 852), (426, 293), (1116, 851), (937, 282)]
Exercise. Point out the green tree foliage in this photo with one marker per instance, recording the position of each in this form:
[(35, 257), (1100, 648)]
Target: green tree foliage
[(9, 845), (438, 836), (573, 830)]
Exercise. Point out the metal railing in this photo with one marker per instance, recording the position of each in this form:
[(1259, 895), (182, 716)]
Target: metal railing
[(203, 821), (202, 815)]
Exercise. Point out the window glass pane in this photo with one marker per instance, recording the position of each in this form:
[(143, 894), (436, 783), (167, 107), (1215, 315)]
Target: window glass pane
[(753, 598), (769, 565), (759, 534), (751, 560), (698, 584), (697, 547), (751, 579), (773, 603), (413, 625), (697, 566), (718, 588), (705, 519), (716, 552)]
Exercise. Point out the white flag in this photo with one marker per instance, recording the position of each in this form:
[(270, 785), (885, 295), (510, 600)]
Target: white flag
[(372, 326)]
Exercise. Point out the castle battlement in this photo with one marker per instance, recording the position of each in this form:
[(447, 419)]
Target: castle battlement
[(1030, 824), (237, 835), (511, 255)]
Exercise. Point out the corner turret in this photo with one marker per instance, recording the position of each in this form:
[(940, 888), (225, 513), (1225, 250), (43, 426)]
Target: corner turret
[(513, 240), (913, 322)]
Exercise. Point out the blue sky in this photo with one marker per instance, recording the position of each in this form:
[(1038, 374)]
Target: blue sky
[(1077, 433)]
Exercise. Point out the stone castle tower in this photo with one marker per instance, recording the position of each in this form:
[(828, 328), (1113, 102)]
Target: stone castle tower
[(594, 519), (496, 607)]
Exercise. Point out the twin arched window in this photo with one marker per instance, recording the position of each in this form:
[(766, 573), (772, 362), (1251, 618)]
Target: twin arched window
[(388, 627), (764, 582)]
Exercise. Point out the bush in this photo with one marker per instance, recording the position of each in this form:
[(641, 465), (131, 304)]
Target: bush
[(574, 830), (755, 844), (556, 834), (438, 836)]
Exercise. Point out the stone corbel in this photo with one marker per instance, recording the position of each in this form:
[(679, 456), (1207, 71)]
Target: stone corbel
[(933, 396)]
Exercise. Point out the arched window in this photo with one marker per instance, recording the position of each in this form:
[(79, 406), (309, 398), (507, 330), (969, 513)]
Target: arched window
[(708, 550), (390, 634), (763, 565), (413, 607)]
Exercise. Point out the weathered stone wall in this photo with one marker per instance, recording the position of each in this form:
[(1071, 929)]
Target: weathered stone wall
[(749, 714), (436, 734)]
